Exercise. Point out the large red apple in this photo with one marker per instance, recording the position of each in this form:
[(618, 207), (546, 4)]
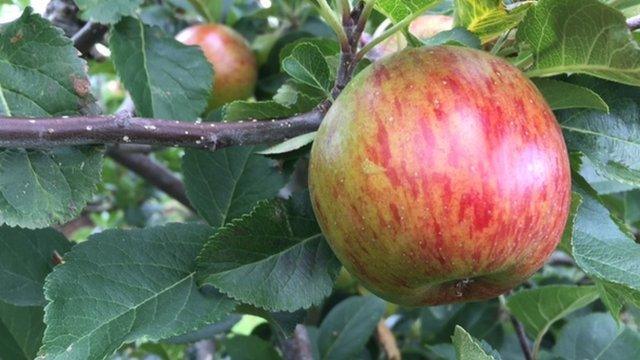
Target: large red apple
[(440, 175), (236, 70)]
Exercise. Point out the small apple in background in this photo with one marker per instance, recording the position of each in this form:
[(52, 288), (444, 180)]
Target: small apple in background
[(440, 175), (233, 61), (422, 27)]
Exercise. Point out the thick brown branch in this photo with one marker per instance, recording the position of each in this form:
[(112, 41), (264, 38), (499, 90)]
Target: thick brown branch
[(69, 131)]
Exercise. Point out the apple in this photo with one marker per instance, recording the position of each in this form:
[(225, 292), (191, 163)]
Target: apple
[(440, 175), (234, 64), (422, 27)]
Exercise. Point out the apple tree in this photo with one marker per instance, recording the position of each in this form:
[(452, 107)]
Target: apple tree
[(318, 179)]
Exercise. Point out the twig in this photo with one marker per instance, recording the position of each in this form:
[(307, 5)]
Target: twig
[(522, 338), (634, 23), (298, 347), (387, 341), (90, 130), (560, 259), (90, 34), (154, 173), (353, 26)]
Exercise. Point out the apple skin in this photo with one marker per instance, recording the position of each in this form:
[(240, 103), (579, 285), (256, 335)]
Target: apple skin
[(440, 175), (234, 64), (422, 27)]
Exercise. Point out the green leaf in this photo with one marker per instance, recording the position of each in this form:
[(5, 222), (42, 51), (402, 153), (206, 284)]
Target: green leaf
[(290, 145), (274, 258), (600, 247), (125, 285), (563, 95), (296, 95), (610, 141), (225, 184), (166, 79), (39, 188), (487, 18), (345, 331), (307, 65), (615, 296), (580, 36), (26, 257), (468, 348), (601, 184), (596, 336), (107, 11), (53, 83), (240, 347), (328, 47), (539, 308), (565, 243), (397, 10), (456, 36), (206, 332), (21, 330)]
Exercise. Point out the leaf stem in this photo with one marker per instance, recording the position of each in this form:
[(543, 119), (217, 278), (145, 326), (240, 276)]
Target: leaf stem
[(387, 33), (346, 10), (366, 12), (332, 20), (500, 42)]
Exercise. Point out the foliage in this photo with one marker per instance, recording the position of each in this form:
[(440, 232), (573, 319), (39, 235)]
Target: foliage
[(93, 264)]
